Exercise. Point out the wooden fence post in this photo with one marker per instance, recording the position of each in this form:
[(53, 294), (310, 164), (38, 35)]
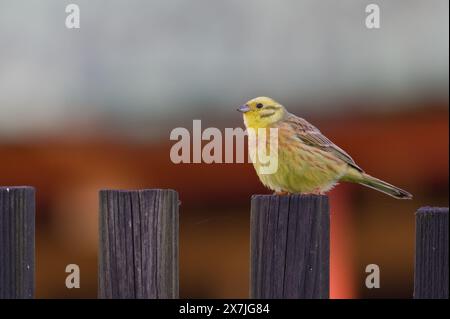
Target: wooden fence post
[(290, 246), (138, 255), (431, 266), (17, 214)]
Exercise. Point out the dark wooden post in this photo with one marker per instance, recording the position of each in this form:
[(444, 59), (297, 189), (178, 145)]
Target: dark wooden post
[(17, 214), (290, 246), (138, 255), (431, 267)]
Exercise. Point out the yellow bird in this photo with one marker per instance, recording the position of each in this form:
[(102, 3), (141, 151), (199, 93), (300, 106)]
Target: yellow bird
[(308, 162)]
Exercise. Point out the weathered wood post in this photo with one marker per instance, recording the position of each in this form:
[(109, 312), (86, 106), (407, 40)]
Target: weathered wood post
[(138, 255), (17, 215), (431, 266), (290, 246)]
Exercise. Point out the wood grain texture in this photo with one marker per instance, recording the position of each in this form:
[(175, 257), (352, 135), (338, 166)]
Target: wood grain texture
[(138, 252), (290, 247), (17, 222), (431, 264)]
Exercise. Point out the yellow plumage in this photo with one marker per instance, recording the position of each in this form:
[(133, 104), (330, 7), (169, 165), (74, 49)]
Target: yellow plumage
[(308, 162)]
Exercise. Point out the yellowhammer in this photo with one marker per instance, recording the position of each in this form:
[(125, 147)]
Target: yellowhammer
[(308, 162)]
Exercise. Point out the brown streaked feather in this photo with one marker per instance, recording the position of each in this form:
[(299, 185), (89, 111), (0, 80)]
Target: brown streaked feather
[(310, 135)]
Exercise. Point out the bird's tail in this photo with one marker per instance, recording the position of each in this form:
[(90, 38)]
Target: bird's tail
[(383, 187)]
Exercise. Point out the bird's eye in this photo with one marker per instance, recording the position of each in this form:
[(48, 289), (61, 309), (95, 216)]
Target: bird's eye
[(259, 105)]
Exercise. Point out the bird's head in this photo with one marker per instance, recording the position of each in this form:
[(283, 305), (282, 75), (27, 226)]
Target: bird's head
[(261, 112)]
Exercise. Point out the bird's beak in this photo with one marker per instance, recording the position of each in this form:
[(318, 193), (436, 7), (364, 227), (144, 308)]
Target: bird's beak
[(243, 108)]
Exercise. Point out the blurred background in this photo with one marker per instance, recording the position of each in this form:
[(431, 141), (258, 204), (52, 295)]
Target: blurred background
[(92, 108)]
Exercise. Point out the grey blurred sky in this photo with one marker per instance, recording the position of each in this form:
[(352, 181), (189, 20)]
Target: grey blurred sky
[(163, 59)]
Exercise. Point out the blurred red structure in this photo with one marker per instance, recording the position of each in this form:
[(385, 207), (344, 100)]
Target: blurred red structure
[(410, 151)]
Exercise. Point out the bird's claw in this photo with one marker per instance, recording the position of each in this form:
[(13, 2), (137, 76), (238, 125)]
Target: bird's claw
[(281, 193)]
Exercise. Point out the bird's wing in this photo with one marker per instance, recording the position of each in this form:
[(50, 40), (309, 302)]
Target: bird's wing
[(310, 135)]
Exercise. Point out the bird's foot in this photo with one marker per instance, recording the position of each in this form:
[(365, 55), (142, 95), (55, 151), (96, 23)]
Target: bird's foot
[(315, 192), (281, 193)]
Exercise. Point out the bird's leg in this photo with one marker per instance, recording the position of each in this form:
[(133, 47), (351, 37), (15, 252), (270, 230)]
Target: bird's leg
[(317, 191), (281, 193)]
